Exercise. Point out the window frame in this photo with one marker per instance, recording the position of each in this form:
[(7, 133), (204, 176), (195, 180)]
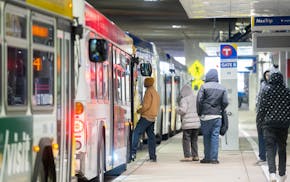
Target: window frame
[(15, 42), (44, 48)]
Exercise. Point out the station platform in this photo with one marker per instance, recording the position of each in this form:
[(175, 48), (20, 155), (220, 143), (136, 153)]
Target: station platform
[(235, 166)]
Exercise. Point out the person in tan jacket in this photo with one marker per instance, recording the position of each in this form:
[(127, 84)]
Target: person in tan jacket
[(148, 112)]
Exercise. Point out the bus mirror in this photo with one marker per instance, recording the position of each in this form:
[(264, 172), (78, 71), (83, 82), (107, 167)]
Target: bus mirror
[(98, 50), (146, 69)]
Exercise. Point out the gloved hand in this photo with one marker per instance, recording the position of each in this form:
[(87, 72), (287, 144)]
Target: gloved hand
[(139, 110)]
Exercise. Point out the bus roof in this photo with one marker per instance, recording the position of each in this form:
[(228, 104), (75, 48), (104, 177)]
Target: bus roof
[(138, 42), (107, 29)]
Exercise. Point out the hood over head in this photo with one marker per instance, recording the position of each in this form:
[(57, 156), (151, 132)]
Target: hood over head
[(212, 76), (264, 76), (276, 78), (148, 82), (185, 91)]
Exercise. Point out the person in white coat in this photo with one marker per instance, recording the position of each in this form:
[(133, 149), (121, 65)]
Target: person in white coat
[(190, 123)]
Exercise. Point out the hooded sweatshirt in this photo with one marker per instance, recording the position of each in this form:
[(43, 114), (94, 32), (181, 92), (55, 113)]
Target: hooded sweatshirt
[(187, 109), (275, 104), (212, 97), (264, 82), (151, 101)]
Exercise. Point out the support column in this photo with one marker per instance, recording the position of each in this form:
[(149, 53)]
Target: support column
[(283, 63), (194, 57), (193, 52), (228, 77), (253, 91)]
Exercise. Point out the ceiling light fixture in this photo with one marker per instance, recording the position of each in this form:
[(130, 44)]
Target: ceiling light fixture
[(176, 26), (151, 0)]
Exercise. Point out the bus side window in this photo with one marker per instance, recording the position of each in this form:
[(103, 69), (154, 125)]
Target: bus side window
[(123, 77), (16, 76), (93, 87), (43, 78), (128, 81), (117, 76), (106, 81), (99, 80), (119, 84)]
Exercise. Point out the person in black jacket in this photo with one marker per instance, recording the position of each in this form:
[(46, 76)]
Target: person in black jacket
[(212, 99), (261, 142), (274, 118)]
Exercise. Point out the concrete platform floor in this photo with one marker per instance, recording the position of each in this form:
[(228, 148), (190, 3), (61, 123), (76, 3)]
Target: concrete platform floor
[(235, 166)]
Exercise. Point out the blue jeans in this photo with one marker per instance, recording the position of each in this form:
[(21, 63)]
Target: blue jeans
[(142, 126), (210, 131)]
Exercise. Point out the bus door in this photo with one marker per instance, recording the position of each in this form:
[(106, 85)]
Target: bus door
[(64, 103), (168, 103), (122, 104), (176, 102)]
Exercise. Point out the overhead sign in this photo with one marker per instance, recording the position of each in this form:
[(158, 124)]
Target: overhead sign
[(228, 51), (270, 23), (228, 64)]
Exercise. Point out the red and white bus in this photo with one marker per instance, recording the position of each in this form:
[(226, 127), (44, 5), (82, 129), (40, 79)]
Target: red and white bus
[(103, 98)]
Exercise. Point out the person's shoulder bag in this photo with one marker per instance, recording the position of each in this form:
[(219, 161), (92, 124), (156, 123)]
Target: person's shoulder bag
[(225, 123)]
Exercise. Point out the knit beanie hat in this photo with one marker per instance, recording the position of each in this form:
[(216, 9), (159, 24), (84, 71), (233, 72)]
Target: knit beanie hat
[(148, 82)]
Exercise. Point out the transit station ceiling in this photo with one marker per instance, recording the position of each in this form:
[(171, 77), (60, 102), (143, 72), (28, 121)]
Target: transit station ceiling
[(168, 23), (235, 8)]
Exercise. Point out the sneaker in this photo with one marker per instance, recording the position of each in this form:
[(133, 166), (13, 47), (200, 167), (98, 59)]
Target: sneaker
[(152, 160), (272, 177), (186, 159), (214, 162), (282, 178), (204, 161), (133, 157), (261, 162), (195, 159)]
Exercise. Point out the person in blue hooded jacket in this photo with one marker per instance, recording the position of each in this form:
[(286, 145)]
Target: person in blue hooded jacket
[(212, 99)]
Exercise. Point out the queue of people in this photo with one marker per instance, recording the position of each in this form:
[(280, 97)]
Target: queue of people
[(204, 112)]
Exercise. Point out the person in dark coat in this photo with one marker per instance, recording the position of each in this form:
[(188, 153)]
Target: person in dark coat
[(274, 118), (212, 99), (261, 142)]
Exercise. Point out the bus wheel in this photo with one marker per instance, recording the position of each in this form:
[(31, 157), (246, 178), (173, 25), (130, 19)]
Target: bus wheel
[(101, 173)]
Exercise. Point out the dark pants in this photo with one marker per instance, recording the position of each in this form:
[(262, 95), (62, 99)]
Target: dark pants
[(142, 126), (189, 142), (262, 149), (272, 138)]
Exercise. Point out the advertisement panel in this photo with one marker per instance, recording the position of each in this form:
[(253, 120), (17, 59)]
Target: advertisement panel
[(15, 149)]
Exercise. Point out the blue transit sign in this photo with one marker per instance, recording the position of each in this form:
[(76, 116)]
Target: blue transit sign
[(271, 21), (228, 51), (228, 64)]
